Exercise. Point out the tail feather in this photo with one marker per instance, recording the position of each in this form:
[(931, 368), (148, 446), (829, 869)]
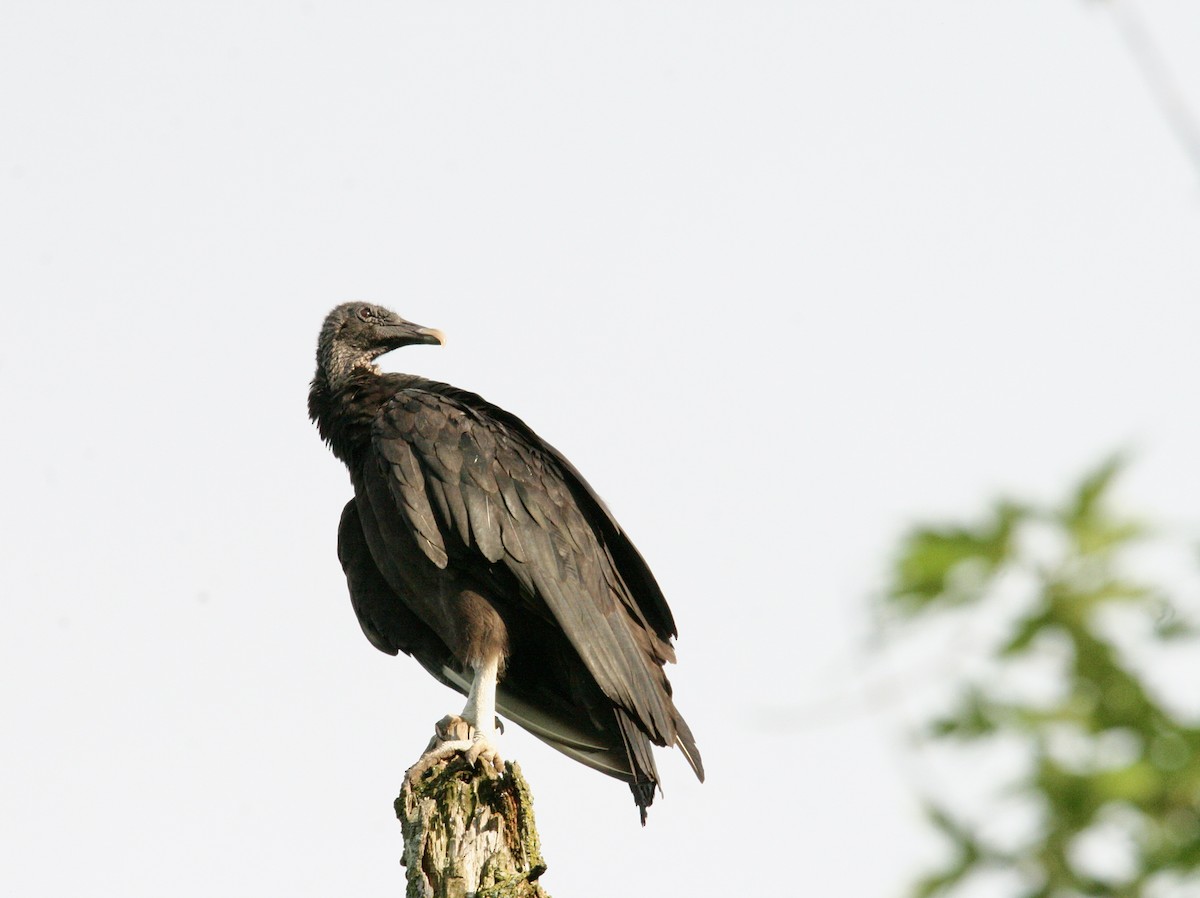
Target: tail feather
[(687, 744), (641, 761)]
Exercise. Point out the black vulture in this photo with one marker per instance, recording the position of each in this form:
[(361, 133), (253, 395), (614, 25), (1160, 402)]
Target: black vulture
[(476, 547)]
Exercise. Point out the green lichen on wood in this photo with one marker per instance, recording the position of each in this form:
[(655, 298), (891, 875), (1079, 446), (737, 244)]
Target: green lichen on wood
[(470, 832)]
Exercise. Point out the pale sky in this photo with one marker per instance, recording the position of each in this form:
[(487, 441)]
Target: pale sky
[(779, 277)]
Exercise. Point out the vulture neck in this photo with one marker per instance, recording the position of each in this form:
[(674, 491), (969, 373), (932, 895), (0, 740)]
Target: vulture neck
[(345, 406)]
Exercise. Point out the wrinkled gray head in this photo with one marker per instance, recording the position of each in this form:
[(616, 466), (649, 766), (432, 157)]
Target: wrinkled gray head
[(355, 334)]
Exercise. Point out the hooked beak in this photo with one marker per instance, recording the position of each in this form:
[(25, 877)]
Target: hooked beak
[(405, 333)]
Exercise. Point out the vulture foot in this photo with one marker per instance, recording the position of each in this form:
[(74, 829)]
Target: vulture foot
[(452, 735)]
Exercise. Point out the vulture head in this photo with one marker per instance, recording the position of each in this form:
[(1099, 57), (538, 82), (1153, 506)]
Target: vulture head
[(355, 334)]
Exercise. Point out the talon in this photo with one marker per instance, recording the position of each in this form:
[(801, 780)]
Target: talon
[(451, 735), (432, 756), (474, 753), (482, 749)]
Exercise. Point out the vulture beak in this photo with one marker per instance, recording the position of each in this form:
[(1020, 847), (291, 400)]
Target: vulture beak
[(405, 333)]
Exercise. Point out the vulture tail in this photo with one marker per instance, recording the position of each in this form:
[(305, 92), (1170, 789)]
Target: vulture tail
[(687, 744), (641, 762)]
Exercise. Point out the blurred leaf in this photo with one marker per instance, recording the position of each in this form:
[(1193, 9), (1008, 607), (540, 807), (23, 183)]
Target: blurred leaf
[(1094, 537), (1175, 628), (929, 556), (1120, 758), (1085, 503), (1027, 629), (1084, 518), (1138, 784), (966, 850), (972, 720), (1073, 602)]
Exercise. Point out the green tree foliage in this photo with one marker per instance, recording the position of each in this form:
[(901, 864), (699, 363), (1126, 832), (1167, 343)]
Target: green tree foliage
[(1149, 791)]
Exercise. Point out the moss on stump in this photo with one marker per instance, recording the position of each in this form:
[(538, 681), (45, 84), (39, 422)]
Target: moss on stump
[(469, 832)]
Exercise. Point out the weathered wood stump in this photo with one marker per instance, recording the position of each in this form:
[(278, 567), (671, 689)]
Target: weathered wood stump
[(469, 832)]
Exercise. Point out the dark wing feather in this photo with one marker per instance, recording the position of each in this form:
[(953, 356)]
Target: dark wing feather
[(509, 499), (625, 555), (386, 620), (408, 489)]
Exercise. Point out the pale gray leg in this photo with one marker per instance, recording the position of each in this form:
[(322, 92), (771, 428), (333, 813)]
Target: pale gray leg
[(474, 733)]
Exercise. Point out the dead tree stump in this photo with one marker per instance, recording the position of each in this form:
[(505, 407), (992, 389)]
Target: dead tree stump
[(469, 833)]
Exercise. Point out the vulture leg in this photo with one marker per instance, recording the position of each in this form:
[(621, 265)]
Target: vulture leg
[(480, 712), (474, 732)]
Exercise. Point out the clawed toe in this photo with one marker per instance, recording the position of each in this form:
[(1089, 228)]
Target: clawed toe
[(452, 735), (483, 749), (432, 756)]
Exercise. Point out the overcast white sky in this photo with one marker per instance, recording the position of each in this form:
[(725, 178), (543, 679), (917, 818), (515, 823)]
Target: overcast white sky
[(780, 277)]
